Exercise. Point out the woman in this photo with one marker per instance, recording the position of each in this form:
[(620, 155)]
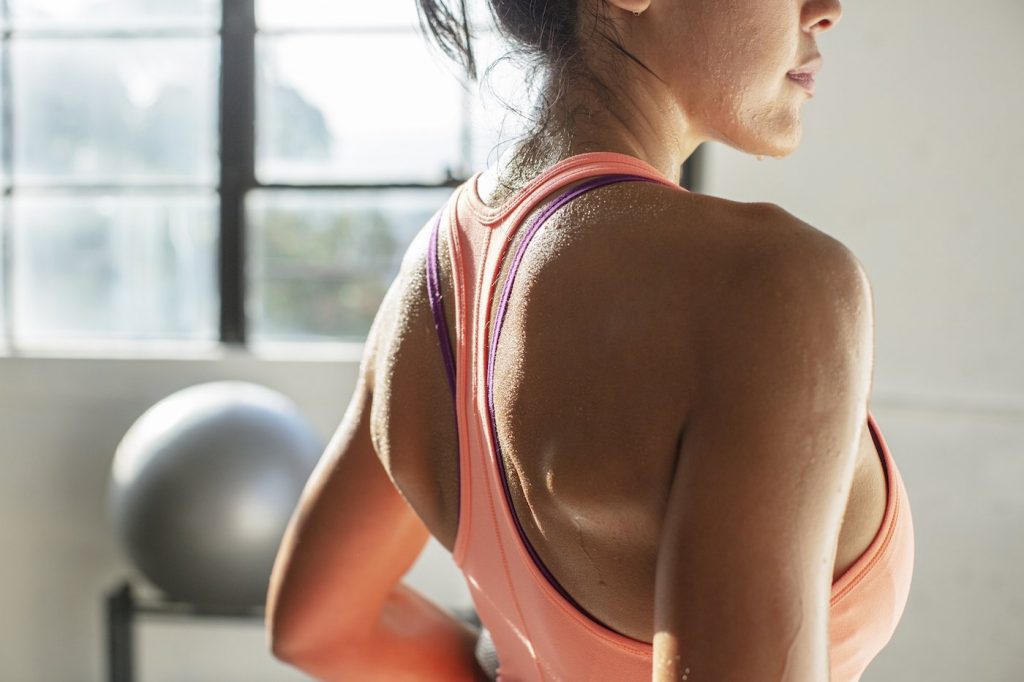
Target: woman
[(646, 438)]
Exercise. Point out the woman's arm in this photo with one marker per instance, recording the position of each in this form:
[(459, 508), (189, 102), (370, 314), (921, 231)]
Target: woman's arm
[(764, 472), (336, 606), (414, 640)]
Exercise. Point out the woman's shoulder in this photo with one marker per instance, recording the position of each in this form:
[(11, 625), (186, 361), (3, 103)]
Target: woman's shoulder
[(770, 245), (750, 241), (752, 261)]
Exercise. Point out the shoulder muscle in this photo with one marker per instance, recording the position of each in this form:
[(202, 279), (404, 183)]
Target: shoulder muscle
[(766, 463)]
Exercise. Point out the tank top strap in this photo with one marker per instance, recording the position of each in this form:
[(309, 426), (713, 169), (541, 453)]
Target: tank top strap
[(565, 172), (481, 235), (478, 238)]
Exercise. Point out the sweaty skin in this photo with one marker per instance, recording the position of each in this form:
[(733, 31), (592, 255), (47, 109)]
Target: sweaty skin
[(714, 71), (719, 73)]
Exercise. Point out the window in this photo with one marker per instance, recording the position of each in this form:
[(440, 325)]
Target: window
[(109, 161), (252, 172), (354, 98)]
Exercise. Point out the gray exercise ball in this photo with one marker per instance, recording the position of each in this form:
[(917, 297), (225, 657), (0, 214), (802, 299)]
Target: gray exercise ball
[(203, 485)]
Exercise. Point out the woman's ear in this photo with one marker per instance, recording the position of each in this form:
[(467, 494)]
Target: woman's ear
[(634, 6)]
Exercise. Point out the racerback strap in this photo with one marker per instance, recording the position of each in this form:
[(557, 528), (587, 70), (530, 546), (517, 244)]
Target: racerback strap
[(433, 282)]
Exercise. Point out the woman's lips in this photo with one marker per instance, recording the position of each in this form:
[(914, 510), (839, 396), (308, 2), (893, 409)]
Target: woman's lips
[(805, 80)]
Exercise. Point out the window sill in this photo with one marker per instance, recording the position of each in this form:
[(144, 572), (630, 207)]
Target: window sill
[(298, 351)]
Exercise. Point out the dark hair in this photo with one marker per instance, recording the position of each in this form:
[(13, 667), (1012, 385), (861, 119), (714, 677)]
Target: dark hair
[(544, 36)]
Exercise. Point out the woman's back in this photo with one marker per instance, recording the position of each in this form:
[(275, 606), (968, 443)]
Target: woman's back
[(645, 438), (593, 381), (590, 389)]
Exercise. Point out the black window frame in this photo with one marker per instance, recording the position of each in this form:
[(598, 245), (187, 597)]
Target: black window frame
[(236, 111)]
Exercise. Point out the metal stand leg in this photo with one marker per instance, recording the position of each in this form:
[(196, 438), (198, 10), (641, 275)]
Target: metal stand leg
[(120, 609)]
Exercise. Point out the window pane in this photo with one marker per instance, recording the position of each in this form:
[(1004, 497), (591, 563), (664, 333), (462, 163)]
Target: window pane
[(316, 13), (119, 267), (370, 107), (119, 111), (3, 274), (320, 263), (480, 13), (274, 14), (79, 14), (3, 133), (494, 126)]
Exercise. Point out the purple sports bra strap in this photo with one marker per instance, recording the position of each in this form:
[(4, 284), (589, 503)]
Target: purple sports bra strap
[(434, 286), (560, 201), (434, 293)]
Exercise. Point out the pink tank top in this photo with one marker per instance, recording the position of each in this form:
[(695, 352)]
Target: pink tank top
[(539, 631)]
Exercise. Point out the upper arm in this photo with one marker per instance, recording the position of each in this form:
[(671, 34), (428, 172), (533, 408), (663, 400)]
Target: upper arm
[(765, 467), (351, 536)]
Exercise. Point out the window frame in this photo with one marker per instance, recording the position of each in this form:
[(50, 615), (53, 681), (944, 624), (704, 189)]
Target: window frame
[(236, 128)]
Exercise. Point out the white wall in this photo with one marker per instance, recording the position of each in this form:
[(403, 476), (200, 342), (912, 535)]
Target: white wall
[(61, 420), (911, 156)]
